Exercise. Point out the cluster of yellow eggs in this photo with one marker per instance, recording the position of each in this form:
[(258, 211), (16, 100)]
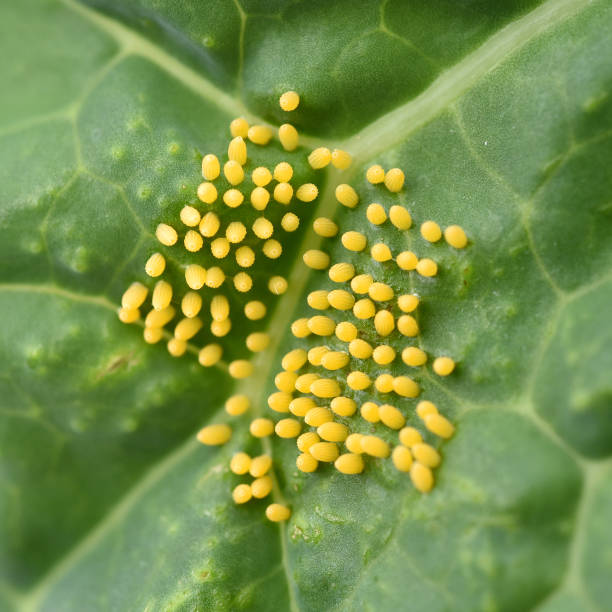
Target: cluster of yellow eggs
[(199, 229), (319, 390)]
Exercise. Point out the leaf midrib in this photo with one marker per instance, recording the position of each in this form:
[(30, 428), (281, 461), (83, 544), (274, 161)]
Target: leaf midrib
[(383, 133)]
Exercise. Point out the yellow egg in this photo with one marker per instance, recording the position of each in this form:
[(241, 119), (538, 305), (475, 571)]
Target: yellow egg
[(294, 360), (289, 137), (347, 196), (306, 463), (375, 174), (259, 134), (407, 260), (277, 513), (261, 487), (190, 216), (156, 264), (343, 406), (277, 285), (240, 463), (254, 310), (334, 360), (239, 127), (317, 260), (439, 425), (381, 252), (242, 493), (319, 158), (413, 356), (237, 150), (207, 193), (306, 440), (361, 283), (237, 405), (443, 366), (391, 416), (407, 326), (300, 329), (431, 231), (405, 386), (325, 227), (283, 172), (349, 463), (333, 432), (409, 436), (341, 272), (166, 234), (400, 217), (261, 465), (307, 192), (260, 198), (384, 323), (260, 428), (407, 302), (283, 192), (233, 198), (318, 415), (210, 167), (176, 347), (374, 446), (318, 299), (290, 222), (209, 225), (455, 236), (427, 267), (353, 443), (135, 295), (187, 328), (383, 354), (289, 101), (240, 368), (162, 293), (376, 214), (326, 452), (384, 383), (402, 458), (364, 309), (369, 412), (288, 428), (422, 477), (346, 331), (214, 435), (394, 180), (159, 318), (285, 381), (426, 454), (360, 349)]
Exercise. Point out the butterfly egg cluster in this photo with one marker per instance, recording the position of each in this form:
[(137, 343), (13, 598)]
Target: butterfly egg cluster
[(237, 216), (241, 215), (326, 398)]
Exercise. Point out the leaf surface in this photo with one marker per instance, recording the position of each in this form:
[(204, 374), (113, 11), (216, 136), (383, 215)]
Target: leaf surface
[(501, 119)]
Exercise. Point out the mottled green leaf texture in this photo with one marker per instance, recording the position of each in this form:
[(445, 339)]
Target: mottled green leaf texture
[(500, 114)]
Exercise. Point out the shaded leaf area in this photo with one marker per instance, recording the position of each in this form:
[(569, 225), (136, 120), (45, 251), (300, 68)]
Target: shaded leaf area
[(92, 415), (259, 49), (374, 537)]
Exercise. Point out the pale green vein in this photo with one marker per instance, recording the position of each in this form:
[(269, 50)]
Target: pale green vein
[(92, 300), (393, 127), (112, 519), (573, 578), (133, 43)]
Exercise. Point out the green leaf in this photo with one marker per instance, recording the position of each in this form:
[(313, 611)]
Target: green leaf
[(501, 117)]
